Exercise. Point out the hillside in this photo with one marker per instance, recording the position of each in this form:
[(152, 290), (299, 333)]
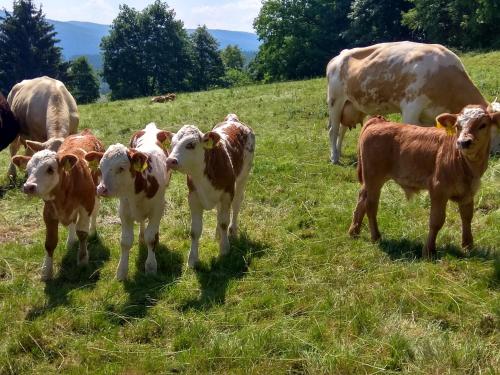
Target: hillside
[(296, 295)]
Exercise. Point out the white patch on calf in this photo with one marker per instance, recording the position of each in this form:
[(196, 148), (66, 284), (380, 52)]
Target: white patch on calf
[(468, 115)]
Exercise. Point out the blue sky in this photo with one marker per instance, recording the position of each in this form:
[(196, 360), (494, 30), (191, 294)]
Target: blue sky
[(217, 14)]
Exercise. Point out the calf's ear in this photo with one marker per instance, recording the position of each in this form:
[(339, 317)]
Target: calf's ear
[(21, 161), (165, 138), (138, 160), (209, 140), (446, 120), (68, 162), (93, 158), (36, 146), (495, 118)]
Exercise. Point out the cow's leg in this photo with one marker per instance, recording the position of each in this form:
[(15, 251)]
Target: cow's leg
[(196, 227), (340, 139), (411, 112), (93, 218), (335, 112), (72, 238), (142, 227), (151, 238), (51, 238), (13, 149), (372, 200), (239, 193), (82, 232), (359, 213), (126, 242), (223, 216), (436, 221), (466, 213)]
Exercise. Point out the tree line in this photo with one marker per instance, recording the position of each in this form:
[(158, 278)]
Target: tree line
[(149, 52)]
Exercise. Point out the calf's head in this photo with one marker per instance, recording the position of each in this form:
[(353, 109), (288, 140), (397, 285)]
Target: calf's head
[(189, 145), (44, 170), (473, 127), (119, 166)]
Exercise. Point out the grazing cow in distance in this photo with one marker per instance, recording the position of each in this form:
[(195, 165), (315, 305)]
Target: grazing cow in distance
[(418, 80), (9, 126), (46, 111), (138, 176), (217, 165), (67, 185), (448, 166), (164, 98)]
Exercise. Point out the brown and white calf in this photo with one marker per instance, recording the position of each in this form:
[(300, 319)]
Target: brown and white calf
[(66, 184), (448, 166), (217, 165), (138, 176)]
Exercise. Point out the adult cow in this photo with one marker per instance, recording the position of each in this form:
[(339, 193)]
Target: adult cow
[(9, 126), (418, 80), (47, 113)]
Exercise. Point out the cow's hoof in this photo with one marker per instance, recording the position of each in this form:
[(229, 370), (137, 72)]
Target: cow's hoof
[(193, 262), (354, 230), (83, 261), (121, 275), (151, 266), (46, 274), (233, 231)]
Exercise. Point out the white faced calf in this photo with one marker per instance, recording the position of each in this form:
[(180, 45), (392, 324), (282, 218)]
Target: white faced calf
[(138, 176), (217, 165)]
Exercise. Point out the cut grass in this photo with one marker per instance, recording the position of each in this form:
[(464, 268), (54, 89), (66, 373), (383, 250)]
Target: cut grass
[(296, 295)]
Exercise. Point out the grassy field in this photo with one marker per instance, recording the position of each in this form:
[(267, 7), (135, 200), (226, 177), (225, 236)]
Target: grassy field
[(296, 295)]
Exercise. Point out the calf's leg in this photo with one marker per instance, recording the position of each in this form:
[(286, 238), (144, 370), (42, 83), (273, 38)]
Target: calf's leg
[(223, 215), (151, 238), (72, 238), (93, 218), (372, 200), (82, 232), (239, 193), (51, 239), (437, 218), (358, 214), (127, 238), (466, 213), (196, 228)]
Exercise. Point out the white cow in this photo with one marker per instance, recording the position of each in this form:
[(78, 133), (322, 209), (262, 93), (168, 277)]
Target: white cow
[(418, 80), (217, 165), (138, 176)]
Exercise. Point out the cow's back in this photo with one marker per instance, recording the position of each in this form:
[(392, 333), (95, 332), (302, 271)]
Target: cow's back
[(44, 108)]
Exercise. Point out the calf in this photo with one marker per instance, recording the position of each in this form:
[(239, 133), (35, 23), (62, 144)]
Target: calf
[(138, 176), (163, 98), (66, 184), (217, 165), (448, 166)]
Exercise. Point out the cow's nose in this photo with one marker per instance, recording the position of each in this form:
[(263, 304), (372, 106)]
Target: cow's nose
[(29, 188), (102, 190), (172, 163), (464, 143)]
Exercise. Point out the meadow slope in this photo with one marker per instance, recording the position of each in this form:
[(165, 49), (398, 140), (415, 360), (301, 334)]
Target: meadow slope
[(296, 295)]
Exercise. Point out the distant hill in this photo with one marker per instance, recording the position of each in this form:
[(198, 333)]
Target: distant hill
[(83, 38)]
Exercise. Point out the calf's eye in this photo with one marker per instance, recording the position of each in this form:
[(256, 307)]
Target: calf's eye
[(120, 170), (190, 146), (482, 126), (50, 170)]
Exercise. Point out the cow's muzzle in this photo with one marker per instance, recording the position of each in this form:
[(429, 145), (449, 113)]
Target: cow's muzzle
[(102, 191), (464, 143), (29, 188), (172, 163)]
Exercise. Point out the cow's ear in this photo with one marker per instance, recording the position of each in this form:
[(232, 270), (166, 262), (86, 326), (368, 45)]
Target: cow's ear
[(165, 138), (139, 161), (93, 158), (210, 139), (21, 161), (495, 118), (36, 146), (67, 162)]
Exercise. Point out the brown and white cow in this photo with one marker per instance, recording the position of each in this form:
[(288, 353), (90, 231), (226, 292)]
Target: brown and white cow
[(66, 184), (420, 81), (448, 166), (217, 165), (46, 111), (138, 176), (163, 98)]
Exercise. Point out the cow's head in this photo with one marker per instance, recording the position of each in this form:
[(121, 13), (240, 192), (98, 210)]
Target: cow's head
[(44, 171), (189, 145), (473, 127), (52, 144), (119, 166)]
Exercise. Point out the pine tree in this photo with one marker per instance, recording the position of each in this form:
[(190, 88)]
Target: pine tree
[(27, 45), (233, 57), (82, 81), (208, 68)]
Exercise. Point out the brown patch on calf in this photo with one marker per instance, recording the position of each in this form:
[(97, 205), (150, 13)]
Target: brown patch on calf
[(218, 169), (135, 137)]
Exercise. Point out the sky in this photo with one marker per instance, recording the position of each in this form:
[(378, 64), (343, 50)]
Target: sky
[(235, 15)]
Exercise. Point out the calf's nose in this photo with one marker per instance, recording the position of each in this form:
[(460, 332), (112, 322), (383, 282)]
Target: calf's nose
[(102, 190), (464, 143), (29, 188), (172, 163)]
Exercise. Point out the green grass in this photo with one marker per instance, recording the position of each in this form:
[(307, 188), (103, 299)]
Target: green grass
[(296, 295)]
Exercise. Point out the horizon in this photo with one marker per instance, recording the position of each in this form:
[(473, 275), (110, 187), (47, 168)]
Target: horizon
[(192, 13)]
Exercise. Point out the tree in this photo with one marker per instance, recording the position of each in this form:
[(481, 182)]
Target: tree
[(27, 46), (299, 37), (377, 21), (208, 68), (233, 58), (146, 53), (82, 81)]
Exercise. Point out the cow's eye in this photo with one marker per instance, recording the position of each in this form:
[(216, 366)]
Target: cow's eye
[(190, 146), (482, 126), (50, 170), (120, 170)]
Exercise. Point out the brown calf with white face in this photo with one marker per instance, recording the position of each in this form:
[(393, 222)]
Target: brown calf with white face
[(217, 165), (448, 166), (66, 184)]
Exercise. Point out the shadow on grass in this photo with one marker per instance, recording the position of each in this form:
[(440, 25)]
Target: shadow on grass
[(214, 279), (71, 277), (405, 249), (144, 290), (10, 184)]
